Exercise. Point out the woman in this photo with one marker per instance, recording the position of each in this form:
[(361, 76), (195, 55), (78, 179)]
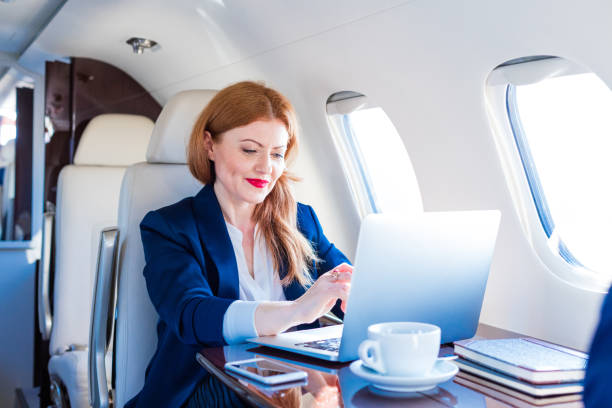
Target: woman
[(239, 259)]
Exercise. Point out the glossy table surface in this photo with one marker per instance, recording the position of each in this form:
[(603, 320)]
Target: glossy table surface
[(333, 384)]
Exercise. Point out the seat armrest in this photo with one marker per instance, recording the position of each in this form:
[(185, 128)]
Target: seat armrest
[(45, 319), (102, 318)]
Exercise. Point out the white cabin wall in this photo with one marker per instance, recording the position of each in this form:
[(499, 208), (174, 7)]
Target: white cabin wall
[(17, 275), (425, 62)]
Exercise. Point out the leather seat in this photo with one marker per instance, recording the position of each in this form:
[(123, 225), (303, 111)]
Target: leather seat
[(87, 201), (162, 180)]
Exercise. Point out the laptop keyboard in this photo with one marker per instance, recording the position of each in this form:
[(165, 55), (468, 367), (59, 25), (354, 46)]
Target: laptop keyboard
[(332, 345)]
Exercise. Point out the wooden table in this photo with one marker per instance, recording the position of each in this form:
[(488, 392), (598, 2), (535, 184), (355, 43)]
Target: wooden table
[(333, 384)]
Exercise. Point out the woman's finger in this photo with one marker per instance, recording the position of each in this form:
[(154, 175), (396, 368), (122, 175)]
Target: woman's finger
[(344, 267), (335, 276), (341, 277)]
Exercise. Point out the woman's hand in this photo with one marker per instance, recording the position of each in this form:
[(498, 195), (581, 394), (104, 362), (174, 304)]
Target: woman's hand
[(275, 317), (323, 294)]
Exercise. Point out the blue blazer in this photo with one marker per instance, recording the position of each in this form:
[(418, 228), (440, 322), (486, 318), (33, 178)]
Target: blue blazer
[(598, 378), (192, 278)]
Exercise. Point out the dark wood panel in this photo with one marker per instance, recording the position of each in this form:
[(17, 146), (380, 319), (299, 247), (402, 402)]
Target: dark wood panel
[(23, 165), (102, 88), (57, 94)]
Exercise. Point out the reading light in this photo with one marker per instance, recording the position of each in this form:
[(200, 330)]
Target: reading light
[(139, 44)]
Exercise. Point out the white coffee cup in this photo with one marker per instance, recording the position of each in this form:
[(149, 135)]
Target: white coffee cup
[(406, 349)]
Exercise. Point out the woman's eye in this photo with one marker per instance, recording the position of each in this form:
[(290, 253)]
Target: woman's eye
[(248, 151), (278, 156)]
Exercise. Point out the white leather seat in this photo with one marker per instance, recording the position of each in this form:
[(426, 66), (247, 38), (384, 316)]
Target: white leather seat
[(164, 179), (87, 202)]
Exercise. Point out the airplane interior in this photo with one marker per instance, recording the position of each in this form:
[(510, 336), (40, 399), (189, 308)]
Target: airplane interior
[(404, 107)]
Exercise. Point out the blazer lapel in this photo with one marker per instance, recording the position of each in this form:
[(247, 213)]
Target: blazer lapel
[(215, 238)]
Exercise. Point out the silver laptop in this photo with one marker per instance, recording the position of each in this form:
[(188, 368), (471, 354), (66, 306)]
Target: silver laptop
[(431, 267)]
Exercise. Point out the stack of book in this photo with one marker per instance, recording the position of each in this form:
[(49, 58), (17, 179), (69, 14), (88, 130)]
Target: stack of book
[(534, 371)]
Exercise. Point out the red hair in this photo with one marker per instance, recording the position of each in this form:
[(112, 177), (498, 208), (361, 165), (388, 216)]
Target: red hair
[(239, 105)]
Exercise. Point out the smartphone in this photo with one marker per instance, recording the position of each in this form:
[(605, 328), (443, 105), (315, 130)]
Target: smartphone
[(266, 371)]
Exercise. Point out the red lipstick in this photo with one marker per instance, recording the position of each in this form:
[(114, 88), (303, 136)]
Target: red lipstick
[(259, 183)]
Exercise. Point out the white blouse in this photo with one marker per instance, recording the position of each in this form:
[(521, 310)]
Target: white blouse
[(239, 318)]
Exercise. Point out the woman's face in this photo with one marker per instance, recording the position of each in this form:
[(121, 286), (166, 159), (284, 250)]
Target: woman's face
[(249, 159)]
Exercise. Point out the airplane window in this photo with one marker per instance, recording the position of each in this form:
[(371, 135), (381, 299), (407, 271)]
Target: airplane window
[(374, 157), (562, 127)]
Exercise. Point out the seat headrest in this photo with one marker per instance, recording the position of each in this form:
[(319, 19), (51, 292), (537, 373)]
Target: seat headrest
[(174, 125), (114, 139)]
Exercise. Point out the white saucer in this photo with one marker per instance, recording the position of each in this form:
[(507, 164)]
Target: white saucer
[(442, 371)]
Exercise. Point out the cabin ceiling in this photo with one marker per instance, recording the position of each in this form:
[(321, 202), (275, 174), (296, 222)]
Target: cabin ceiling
[(21, 21), (195, 36)]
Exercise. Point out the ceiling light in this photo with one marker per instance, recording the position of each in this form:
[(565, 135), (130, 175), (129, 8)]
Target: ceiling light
[(140, 44)]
